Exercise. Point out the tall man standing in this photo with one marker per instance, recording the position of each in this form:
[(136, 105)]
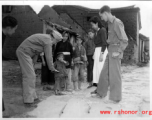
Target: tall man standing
[(111, 72)]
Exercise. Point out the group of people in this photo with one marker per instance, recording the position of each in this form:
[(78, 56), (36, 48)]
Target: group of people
[(64, 62)]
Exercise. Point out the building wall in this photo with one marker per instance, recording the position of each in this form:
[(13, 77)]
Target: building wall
[(75, 27), (28, 24)]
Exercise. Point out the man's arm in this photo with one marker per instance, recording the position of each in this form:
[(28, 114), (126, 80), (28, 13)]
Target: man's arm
[(35, 59), (103, 35), (121, 34), (42, 57), (49, 58)]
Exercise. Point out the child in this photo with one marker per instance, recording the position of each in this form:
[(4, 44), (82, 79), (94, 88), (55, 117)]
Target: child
[(65, 47), (90, 48), (79, 60), (60, 64)]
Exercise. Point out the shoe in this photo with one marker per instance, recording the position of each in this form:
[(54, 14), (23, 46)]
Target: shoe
[(76, 90), (94, 92), (30, 105), (46, 88), (95, 84), (49, 88), (95, 96), (69, 90), (37, 100), (111, 102), (59, 93), (90, 86), (79, 89)]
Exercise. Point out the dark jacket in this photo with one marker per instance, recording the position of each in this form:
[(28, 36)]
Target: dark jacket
[(61, 67), (64, 47), (100, 39), (89, 47)]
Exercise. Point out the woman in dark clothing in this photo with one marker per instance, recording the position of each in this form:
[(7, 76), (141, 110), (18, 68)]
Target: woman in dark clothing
[(66, 48), (100, 47)]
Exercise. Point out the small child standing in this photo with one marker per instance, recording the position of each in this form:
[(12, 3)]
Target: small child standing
[(79, 61), (61, 77), (90, 48)]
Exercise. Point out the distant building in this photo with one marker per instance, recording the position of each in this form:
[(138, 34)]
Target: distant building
[(144, 49), (30, 23)]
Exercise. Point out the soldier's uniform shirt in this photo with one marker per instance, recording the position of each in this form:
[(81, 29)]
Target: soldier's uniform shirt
[(111, 72)]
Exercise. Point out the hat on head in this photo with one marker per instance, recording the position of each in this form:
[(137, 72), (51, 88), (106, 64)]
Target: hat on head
[(59, 54), (79, 37), (57, 35), (90, 30)]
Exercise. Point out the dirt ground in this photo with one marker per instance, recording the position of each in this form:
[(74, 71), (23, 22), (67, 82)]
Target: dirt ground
[(135, 96)]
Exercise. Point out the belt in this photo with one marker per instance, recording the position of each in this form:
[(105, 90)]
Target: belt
[(66, 53)]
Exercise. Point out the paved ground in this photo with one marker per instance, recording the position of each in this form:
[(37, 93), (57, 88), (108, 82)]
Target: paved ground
[(135, 97)]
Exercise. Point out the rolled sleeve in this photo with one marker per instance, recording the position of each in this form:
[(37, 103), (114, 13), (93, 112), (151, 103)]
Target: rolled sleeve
[(121, 34)]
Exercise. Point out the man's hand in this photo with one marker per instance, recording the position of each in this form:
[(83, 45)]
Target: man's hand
[(115, 54), (54, 71), (43, 63), (101, 57), (77, 59)]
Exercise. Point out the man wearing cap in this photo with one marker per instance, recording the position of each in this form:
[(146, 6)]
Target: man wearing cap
[(27, 54)]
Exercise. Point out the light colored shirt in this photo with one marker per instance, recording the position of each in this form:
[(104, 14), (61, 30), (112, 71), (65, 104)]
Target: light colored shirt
[(117, 34), (38, 43)]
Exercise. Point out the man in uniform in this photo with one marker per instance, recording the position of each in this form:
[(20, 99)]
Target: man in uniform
[(27, 54), (111, 73)]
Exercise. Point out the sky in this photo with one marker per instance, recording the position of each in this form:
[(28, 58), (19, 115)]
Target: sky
[(145, 8)]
